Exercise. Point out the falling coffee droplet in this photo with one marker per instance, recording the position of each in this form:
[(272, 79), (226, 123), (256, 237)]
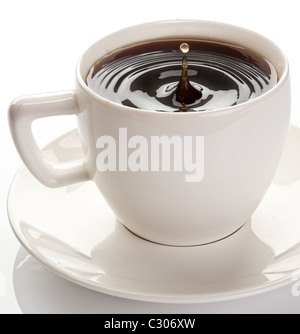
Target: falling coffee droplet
[(185, 92), (184, 48)]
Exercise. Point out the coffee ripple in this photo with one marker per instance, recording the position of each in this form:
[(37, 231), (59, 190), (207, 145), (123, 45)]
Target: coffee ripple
[(149, 80)]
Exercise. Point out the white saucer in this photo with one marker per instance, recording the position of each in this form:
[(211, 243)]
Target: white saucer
[(73, 232)]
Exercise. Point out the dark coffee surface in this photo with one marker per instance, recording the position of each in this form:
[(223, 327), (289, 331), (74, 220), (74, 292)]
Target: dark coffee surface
[(146, 76)]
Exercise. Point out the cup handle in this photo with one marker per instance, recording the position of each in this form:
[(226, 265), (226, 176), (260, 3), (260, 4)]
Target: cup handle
[(22, 112)]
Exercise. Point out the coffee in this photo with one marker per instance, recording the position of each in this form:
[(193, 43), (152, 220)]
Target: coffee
[(147, 75)]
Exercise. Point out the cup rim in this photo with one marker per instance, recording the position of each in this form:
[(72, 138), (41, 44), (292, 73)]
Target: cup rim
[(100, 99)]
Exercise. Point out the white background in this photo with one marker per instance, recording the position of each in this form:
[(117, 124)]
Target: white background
[(40, 42)]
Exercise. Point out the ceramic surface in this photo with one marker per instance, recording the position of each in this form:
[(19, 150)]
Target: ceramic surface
[(73, 232), (238, 152)]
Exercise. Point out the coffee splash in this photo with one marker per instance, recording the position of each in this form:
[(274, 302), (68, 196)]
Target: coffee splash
[(185, 92), (197, 76)]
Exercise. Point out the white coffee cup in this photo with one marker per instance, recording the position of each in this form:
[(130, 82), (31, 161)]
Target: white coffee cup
[(238, 148)]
